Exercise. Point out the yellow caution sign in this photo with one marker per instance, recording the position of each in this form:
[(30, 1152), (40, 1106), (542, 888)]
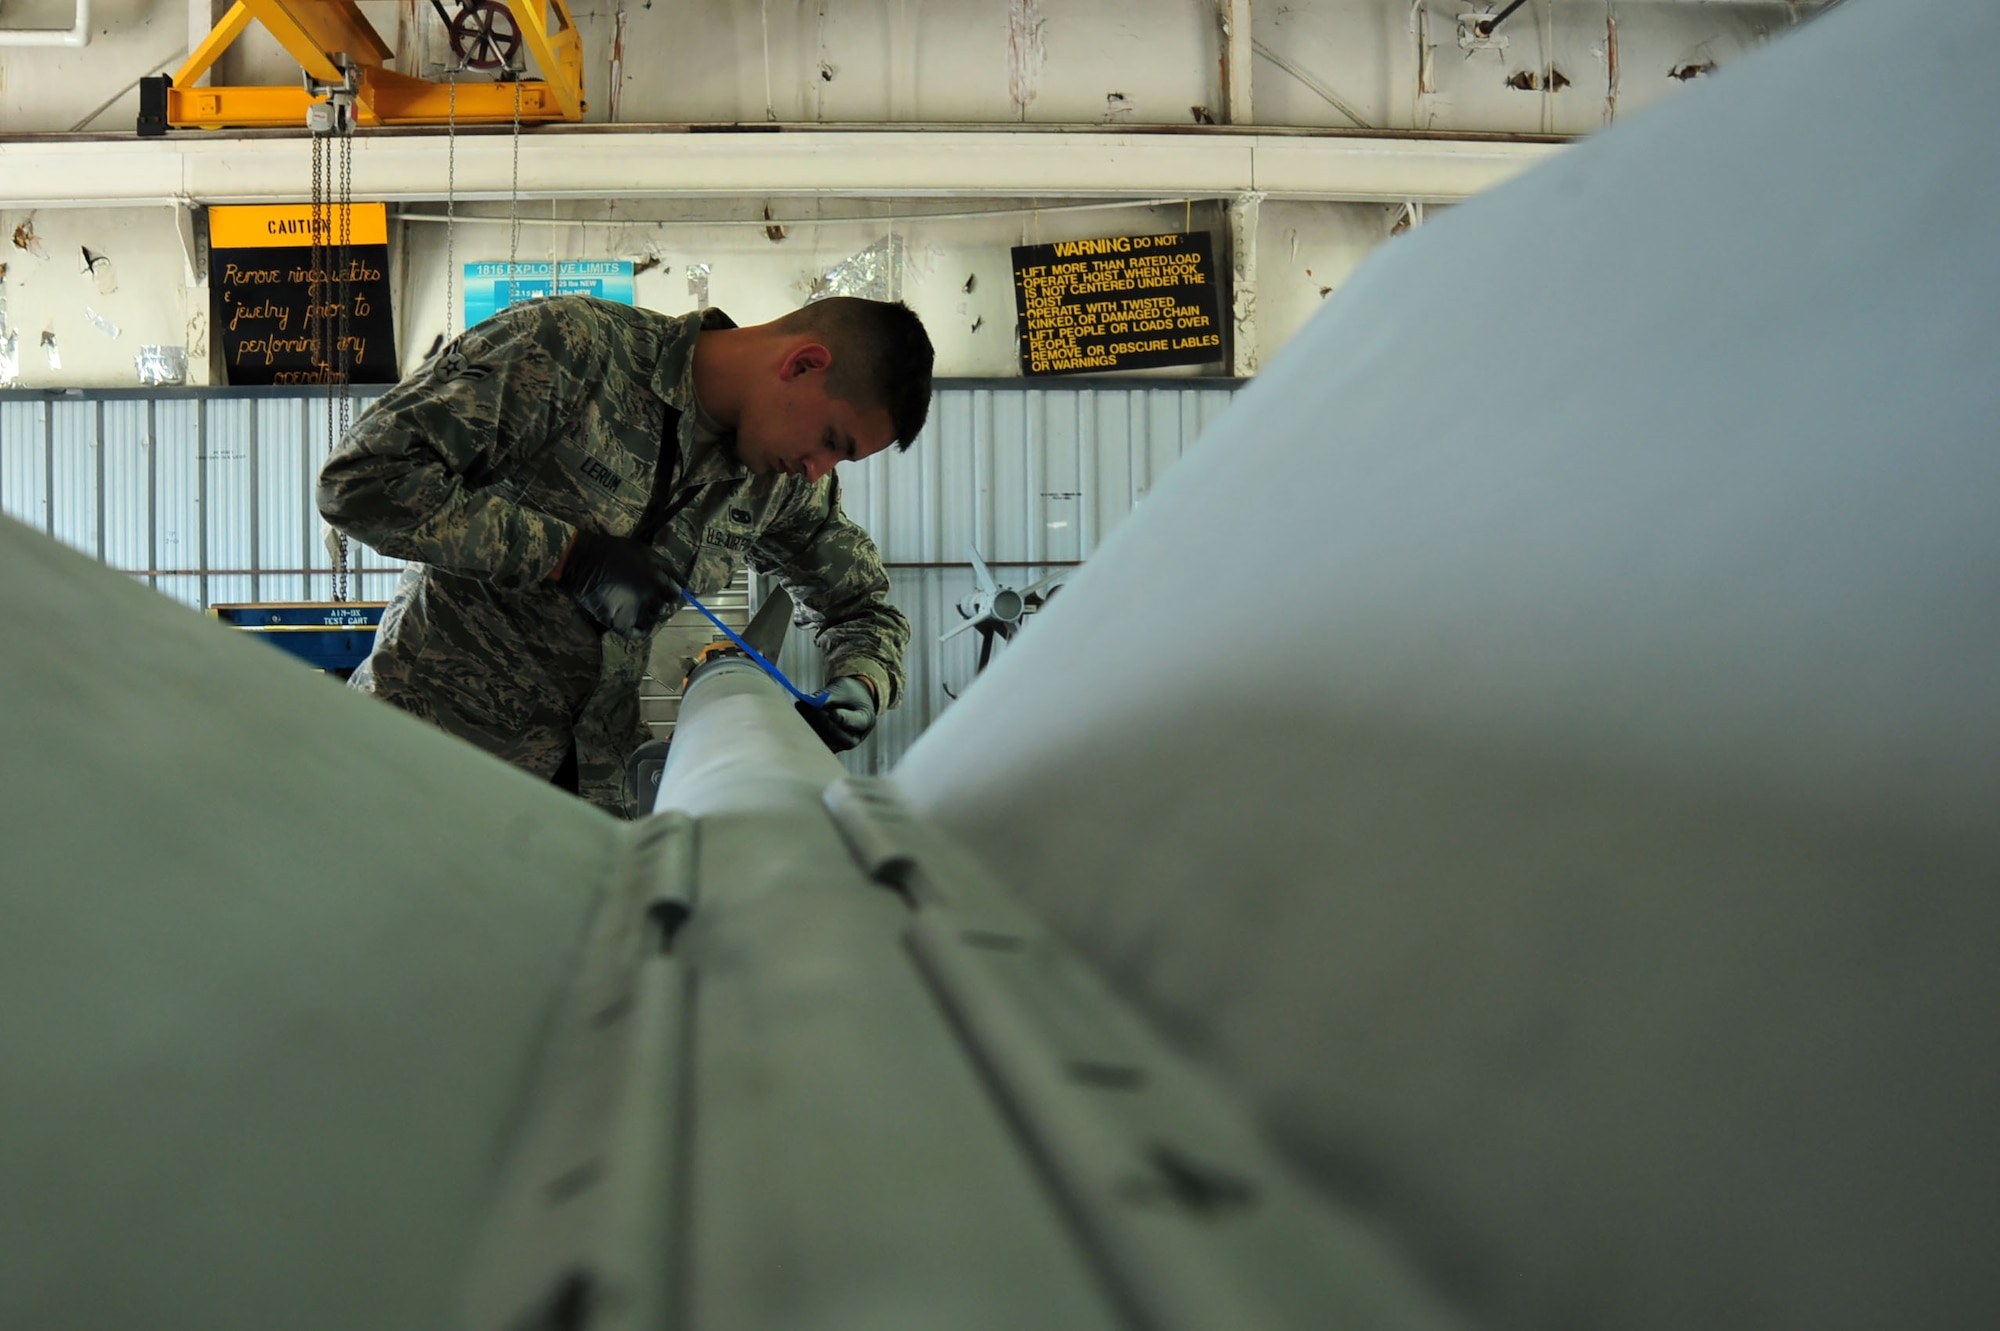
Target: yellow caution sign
[(256, 228), (285, 314)]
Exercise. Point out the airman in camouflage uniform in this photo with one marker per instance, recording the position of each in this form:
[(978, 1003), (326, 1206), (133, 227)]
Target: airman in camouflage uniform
[(578, 415)]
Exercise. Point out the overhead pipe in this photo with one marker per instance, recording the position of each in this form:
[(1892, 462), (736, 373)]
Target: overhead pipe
[(75, 36)]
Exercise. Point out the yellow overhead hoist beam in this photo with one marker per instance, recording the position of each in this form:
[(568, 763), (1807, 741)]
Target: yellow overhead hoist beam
[(340, 51)]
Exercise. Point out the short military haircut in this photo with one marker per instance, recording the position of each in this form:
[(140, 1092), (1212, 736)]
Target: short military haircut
[(881, 356)]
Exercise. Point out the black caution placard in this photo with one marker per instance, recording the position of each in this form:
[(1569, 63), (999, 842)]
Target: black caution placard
[(266, 295), (1117, 303)]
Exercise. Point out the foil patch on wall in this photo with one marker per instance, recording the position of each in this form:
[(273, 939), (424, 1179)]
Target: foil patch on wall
[(161, 365), (877, 273), (698, 284)]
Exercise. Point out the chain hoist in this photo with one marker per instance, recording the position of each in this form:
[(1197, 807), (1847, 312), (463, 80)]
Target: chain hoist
[(331, 121), (483, 36), (478, 52), (344, 373)]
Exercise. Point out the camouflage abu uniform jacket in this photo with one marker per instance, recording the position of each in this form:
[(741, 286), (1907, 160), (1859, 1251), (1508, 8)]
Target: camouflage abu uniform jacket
[(478, 469)]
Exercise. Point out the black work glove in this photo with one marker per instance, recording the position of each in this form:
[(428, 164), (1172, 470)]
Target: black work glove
[(626, 586), (847, 717)]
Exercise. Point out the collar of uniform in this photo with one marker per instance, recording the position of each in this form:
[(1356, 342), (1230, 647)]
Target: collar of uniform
[(673, 373), (714, 461)]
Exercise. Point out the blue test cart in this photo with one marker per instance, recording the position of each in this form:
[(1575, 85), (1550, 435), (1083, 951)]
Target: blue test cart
[(333, 636)]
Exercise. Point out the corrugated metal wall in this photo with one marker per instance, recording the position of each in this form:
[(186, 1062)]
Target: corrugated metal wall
[(207, 496)]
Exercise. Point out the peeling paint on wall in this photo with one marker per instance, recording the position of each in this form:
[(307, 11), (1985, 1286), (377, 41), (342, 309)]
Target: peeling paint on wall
[(819, 85), (25, 239), (1426, 51), (617, 79), (1243, 213), (1025, 53), (1610, 67), (10, 342), (100, 269)]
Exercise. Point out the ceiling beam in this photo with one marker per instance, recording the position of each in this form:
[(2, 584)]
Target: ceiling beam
[(1042, 163)]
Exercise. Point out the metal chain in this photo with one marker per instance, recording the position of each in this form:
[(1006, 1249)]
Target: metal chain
[(317, 288), (514, 214), (345, 346), (451, 208), (316, 273)]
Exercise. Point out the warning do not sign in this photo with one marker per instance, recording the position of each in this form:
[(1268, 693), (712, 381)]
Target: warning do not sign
[(1118, 303)]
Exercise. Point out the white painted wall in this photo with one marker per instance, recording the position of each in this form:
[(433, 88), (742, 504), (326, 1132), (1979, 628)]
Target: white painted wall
[(1307, 251), (1136, 62), (755, 278), (1140, 62), (48, 289), (1368, 54), (52, 89)]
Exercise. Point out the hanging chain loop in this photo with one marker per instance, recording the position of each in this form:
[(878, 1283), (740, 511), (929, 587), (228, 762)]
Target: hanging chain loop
[(514, 196), (450, 209), (344, 371), (329, 305)]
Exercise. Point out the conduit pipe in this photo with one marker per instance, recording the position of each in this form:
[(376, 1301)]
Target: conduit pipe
[(78, 35)]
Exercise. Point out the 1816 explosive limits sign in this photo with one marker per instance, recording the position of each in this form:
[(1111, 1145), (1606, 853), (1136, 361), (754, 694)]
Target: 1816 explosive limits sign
[(1121, 303)]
